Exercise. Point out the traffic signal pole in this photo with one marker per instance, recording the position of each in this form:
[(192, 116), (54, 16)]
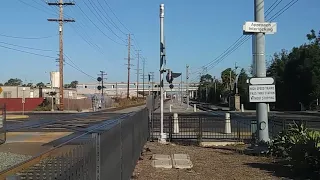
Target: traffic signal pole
[(162, 69), (259, 56)]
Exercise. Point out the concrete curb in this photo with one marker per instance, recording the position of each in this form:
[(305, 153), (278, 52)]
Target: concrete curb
[(12, 117)]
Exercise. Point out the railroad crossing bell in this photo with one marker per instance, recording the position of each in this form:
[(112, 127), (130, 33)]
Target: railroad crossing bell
[(171, 86)]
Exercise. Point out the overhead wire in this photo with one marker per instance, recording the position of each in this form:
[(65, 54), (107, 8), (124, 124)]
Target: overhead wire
[(110, 19), (100, 19), (42, 55), (35, 7), (272, 7), (93, 5), (244, 38), (97, 26), (82, 33), (29, 38), (105, 1)]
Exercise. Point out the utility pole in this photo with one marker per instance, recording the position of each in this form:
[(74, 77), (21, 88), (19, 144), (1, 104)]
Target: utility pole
[(116, 89), (230, 79), (259, 55), (149, 78), (200, 94), (143, 75), (61, 20), (152, 81), (187, 83), (128, 83), (236, 78), (162, 70), (181, 94), (138, 73)]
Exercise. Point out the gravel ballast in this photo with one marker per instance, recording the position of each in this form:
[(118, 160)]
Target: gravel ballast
[(8, 159)]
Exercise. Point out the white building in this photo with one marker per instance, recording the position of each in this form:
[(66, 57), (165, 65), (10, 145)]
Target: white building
[(55, 79)]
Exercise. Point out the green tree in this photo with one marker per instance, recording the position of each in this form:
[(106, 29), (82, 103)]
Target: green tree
[(40, 84), (225, 76), (297, 75), (204, 87), (74, 84), (13, 82), (1, 84), (277, 71), (243, 88)]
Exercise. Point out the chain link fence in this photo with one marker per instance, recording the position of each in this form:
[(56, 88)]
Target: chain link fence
[(109, 152), (3, 117)]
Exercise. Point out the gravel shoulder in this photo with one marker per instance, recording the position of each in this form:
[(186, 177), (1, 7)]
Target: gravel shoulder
[(208, 164)]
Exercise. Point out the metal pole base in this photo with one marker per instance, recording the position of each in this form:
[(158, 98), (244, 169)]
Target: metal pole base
[(162, 139)]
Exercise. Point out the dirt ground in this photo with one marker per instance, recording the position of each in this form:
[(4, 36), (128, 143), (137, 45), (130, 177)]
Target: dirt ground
[(208, 164)]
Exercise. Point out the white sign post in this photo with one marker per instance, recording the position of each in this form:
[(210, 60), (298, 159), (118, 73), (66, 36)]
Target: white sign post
[(262, 93), (260, 27)]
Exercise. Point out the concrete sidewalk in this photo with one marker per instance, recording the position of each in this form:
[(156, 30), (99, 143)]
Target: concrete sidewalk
[(176, 107)]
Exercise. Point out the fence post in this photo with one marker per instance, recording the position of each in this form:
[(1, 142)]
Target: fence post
[(175, 123), (238, 130), (96, 137), (170, 128), (227, 125), (200, 130)]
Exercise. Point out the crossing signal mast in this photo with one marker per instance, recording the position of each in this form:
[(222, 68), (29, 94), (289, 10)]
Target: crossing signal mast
[(101, 87)]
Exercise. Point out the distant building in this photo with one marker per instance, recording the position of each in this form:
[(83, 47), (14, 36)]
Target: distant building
[(28, 92)]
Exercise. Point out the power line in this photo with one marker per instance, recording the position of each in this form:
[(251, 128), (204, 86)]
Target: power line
[(284, 9), (50, 57), (100, 19), (27, 47), (35, 7), (31, 38), (272, 7), (36, 54), (116, 15), (111, 21), (97, 26), (111, 10), (243, 38)]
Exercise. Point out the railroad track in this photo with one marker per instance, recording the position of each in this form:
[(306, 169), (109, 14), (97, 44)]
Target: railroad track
[(64, 123)]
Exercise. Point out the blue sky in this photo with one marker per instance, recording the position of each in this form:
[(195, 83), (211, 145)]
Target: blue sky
[(196, 33)]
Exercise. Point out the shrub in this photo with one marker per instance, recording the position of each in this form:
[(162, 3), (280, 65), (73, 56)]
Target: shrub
[(299, 147)]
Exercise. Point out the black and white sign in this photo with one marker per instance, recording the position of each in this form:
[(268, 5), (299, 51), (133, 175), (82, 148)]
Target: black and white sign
[(262, 93)]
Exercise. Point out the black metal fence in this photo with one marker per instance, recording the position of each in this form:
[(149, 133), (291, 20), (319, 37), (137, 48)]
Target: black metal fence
[(109, 152), (200, 127), (3, 118), (207, 127)]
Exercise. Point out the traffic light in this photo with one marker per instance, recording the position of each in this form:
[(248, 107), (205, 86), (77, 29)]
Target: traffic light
[(169, 77)]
